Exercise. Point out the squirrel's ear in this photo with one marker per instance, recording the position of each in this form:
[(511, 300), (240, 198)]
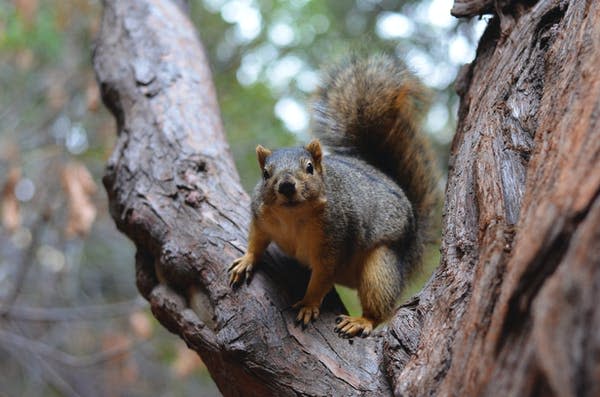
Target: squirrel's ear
[(262, 153), (314, 148)]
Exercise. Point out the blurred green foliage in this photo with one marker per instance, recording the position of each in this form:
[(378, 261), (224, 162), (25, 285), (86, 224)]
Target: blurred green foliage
[(40, 35), (265, 56), (276, 59)]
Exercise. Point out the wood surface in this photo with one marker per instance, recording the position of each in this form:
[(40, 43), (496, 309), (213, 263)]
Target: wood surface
[(512, 307)]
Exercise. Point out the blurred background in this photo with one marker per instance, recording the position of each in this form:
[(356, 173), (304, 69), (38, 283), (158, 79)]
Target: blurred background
[(71, 321)]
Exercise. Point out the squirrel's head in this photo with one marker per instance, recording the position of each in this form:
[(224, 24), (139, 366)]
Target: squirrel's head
[(291, 176)]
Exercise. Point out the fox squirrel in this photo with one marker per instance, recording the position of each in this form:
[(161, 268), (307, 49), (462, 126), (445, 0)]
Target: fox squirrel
[(357, 216)]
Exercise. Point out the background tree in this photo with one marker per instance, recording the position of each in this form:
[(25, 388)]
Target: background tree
[(511, 307)]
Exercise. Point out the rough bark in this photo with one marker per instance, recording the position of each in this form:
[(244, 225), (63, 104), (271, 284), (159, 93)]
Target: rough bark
[(511, 310)]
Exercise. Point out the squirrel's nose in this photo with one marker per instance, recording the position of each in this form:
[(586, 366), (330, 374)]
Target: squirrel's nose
[(287, 188)]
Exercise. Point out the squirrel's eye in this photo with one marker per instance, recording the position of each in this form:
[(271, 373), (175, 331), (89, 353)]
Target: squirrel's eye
[(266, 174), (309, 168)]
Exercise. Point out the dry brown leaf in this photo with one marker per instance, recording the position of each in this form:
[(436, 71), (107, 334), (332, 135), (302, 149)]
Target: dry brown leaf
[(27, 9), (11, 212), (63, 12), (79, 186), (186, 361), (120, 370), (92, 95), (112, 341), (56, 95), (9, 151), (94, 26), (141, 325), (24, 58)]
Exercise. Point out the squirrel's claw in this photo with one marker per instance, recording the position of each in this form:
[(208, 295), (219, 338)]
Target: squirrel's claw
[(233, 264), (307, 313), (240, 268)]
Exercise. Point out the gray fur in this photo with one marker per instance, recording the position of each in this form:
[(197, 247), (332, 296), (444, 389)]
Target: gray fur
[(366, 208), (370, 109)]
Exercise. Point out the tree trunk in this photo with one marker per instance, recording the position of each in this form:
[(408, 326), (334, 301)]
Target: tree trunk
[(511, 309)]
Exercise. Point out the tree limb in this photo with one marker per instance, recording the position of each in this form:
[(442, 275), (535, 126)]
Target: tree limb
[(511, 310), (174, 190)]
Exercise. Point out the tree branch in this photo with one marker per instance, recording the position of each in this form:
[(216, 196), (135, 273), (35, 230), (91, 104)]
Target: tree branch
[(76, 313), (511, 310), (9, 338), (174, 190)]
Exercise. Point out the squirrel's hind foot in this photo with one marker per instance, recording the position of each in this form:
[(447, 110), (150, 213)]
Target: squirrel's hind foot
[(349, 327)]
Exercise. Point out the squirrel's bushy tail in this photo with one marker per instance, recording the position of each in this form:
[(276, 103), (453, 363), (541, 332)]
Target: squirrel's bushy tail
[(372, 107)]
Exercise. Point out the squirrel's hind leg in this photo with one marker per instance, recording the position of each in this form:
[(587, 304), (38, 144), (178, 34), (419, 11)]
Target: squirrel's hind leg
[(379, 288)]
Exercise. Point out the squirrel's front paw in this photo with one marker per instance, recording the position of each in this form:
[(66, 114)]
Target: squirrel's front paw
[(307, 312), (241, 268)]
